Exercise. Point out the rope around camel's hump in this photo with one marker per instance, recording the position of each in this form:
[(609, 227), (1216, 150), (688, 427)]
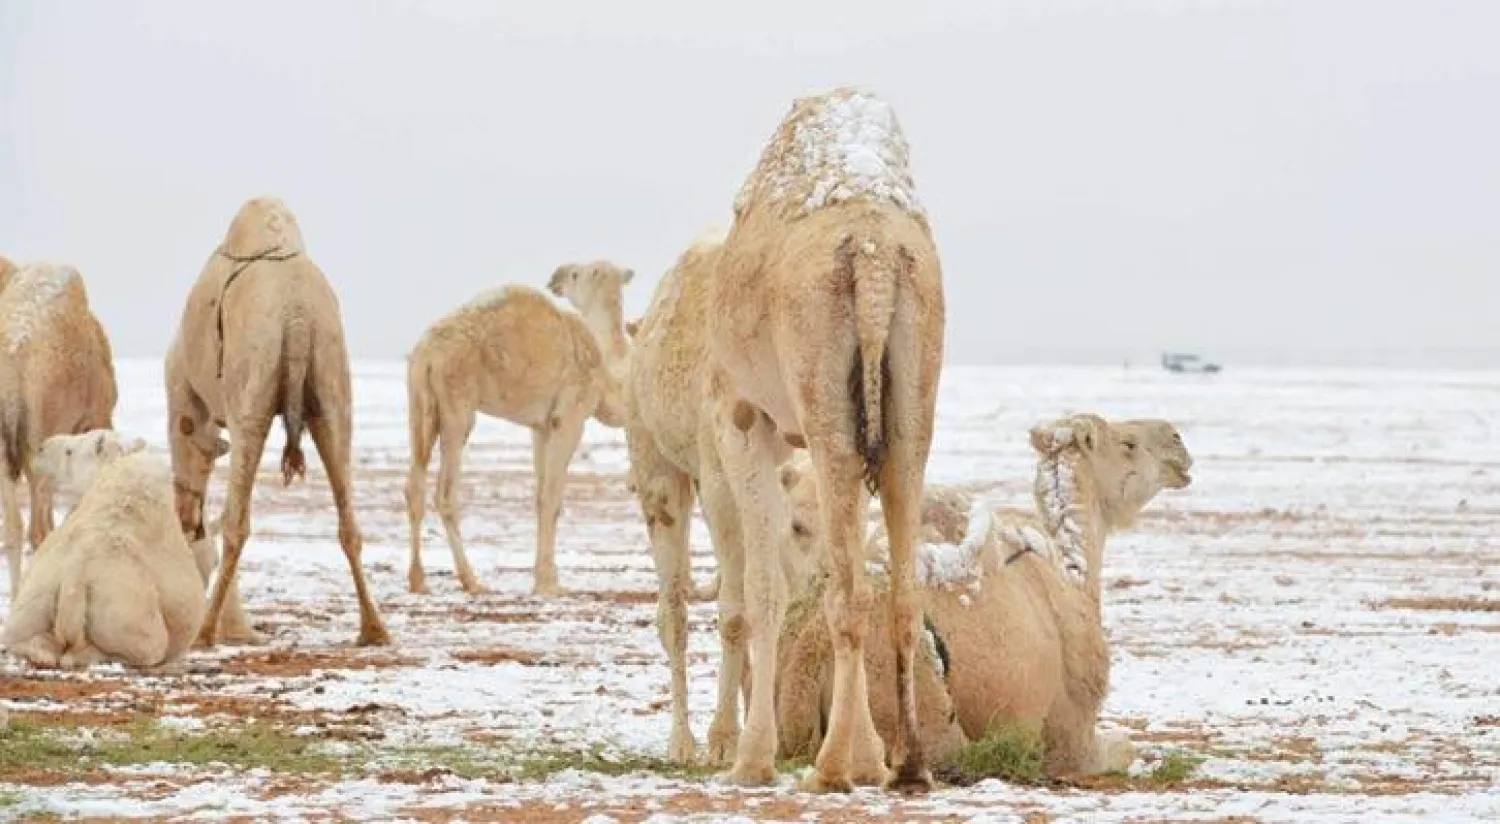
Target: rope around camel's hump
[(244, 262)]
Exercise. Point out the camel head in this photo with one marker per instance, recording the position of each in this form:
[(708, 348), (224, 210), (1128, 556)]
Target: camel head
[(801, 561), (71, 462), (1123, 464), (263, 224), (195, 447), (590, 286)]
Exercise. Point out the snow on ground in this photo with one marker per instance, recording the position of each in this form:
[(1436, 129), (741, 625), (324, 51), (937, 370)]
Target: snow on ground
[(1285, 618)]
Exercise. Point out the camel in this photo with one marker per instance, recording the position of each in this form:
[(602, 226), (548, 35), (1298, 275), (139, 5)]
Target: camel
[(117, 580), (673, 461), (57, 377), (511, 353), (1014, 632), (261, 336), (827, 332), (8, 270)]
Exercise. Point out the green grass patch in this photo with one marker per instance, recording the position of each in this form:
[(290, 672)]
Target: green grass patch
[(1176, 767), (29, 746), (1009, 753)]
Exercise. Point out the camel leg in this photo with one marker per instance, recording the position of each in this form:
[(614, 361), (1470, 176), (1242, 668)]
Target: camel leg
[(668, 503), (41, 508), (332, 439), (722, 515), (747, 447), (851, 752), (248, 442), (455, 436), (551, 453), (42, 649), (10, 500), (416, 503)]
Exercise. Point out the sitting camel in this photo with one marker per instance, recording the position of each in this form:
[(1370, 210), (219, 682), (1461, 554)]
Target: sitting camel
[(261, 336), (117, 580), (511, 353), (57, 377), (825, 330), (1014, 631)]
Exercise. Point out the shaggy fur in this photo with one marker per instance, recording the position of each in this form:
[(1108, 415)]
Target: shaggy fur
[(673, 461), (117, 580), (511, 353), (1023, 636), (57, 376), (827, 331), (261, 336)]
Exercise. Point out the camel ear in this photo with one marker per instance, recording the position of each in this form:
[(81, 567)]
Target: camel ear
[(790, 475), (625, 278)]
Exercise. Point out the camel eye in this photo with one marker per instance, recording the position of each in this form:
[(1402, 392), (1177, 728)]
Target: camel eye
[(1129, 446), (800, 529)]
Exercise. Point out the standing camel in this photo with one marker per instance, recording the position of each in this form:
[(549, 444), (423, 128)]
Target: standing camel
[(826, 330), (261, 336), (673, 460), (57, 377), (511, 353)]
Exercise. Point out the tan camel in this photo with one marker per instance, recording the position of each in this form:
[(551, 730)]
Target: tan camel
[(57, 377), (673, 461), (117, 580), (260, 336), (1013, 622), (7, 271), (827, 331), (511, 353)]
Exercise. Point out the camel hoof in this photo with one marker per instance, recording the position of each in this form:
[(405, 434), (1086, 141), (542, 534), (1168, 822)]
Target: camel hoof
[(722, 746), (475, 588), (373, 637), (242, 636), (816, 782), (416, 584), (873, 776), (911, 782), (743, 775), (205, 639), (547, 590), (682, 749)]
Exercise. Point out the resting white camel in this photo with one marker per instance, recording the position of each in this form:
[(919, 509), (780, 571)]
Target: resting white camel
[(117, 580), (512, 353), (1012, 603), (826, 330), (71, 462), (57, 376)]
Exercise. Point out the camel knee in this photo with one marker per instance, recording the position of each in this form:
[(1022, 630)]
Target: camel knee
[(351, 539), (848, 614)]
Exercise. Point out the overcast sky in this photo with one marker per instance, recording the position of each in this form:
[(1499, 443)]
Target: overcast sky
[(1104, 179)]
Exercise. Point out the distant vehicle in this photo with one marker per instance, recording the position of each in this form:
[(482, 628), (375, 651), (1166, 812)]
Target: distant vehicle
[(1187, 362)]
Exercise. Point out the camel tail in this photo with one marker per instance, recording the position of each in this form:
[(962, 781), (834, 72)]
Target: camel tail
[(297, 362), (421, 410), (13, 435), (875, 271)]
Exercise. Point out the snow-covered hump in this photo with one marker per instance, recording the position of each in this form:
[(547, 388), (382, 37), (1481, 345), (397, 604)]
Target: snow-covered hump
[(30, 296), (832, 148)]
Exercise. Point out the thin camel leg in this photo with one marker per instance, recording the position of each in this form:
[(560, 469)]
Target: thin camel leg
[(551, 453), (333, 444)]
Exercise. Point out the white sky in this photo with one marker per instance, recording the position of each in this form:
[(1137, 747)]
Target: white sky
[(1105, 179)]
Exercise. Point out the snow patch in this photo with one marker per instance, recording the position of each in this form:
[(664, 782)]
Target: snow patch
[(33, 291), (949, 565), (844, 145)]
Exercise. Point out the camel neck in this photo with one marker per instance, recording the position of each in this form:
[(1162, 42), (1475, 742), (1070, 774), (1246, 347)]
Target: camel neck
[(1073, 518), (606, 321)]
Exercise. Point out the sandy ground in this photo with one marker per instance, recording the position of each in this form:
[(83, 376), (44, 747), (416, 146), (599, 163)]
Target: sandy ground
[(1318, 618)]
